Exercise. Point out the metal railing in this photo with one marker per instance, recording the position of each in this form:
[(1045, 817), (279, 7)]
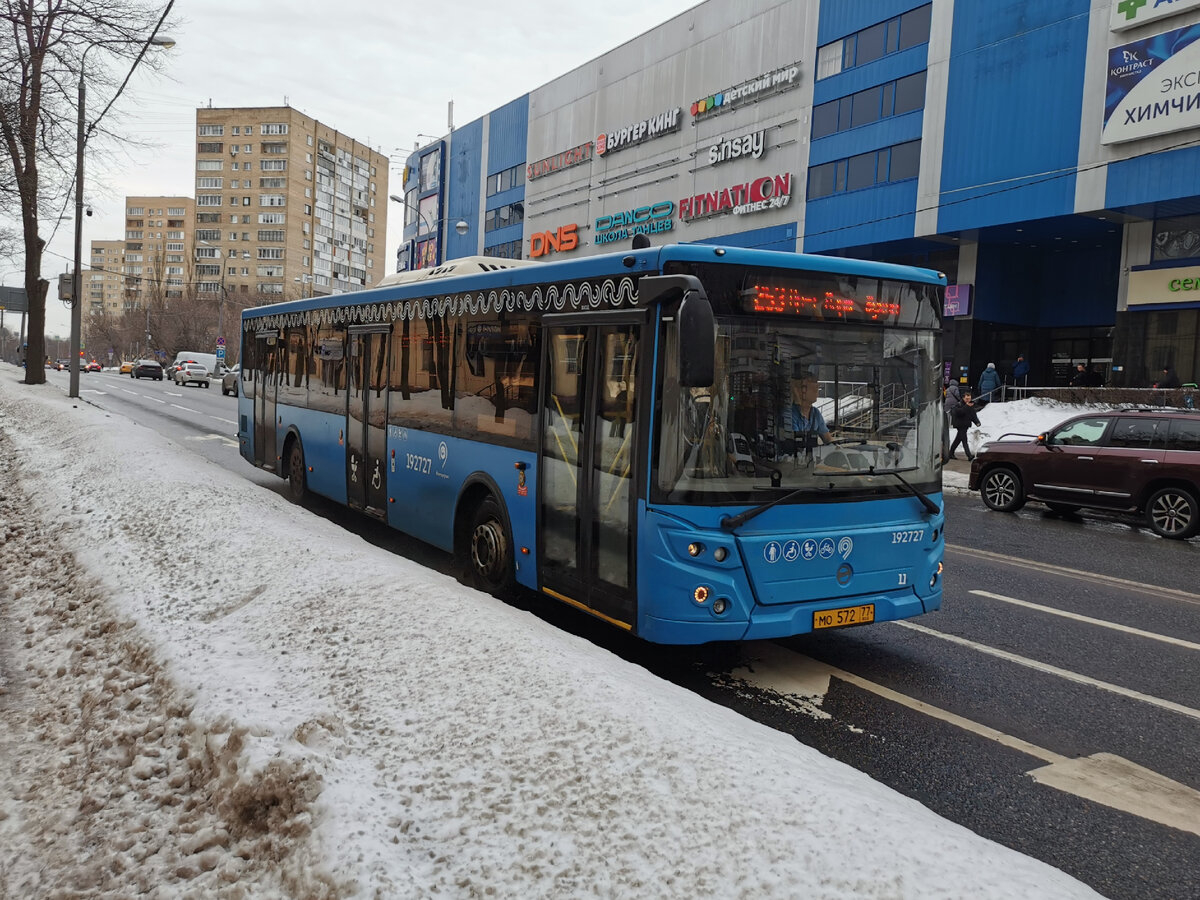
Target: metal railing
[(1180, 398)]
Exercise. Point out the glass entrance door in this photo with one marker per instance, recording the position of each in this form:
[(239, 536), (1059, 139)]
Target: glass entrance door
[(589, 467), (366, 422)]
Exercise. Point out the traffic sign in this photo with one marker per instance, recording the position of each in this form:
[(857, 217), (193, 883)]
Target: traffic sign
[(220, 342), (220, 353)]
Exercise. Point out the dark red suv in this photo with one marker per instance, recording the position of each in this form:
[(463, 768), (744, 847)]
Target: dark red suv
[(1141, 461)]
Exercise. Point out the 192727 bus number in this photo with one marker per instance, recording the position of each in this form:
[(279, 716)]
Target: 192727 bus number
[(907, 537), (423, 465)]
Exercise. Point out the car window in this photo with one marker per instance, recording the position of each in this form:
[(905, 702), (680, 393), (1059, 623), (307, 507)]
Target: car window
[(1081, 433), (1139, 432), (1184, 434)]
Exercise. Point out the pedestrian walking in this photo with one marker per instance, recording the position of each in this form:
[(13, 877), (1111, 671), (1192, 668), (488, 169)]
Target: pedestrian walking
[(1168, 379), (1080, 378), (989, 383), (953, 398), (1020, 371), (962, 418)]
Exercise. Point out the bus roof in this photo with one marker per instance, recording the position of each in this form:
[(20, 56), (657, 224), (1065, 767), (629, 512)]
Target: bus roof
[(479, 273)]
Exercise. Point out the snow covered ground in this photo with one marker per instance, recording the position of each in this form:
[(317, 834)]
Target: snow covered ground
[(261, 705)]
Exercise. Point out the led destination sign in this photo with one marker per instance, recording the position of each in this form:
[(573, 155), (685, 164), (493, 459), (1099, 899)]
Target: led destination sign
[(819, 301)]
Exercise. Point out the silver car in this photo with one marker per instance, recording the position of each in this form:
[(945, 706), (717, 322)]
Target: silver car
[(229, 381), (192, 373)]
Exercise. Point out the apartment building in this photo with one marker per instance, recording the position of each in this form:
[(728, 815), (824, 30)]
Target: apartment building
[(105, 286), (158, 231), (286, 206)]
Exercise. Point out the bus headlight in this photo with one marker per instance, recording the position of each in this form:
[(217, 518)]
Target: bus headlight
[(695, 548), (700, 595), (720, 605), (720, 553)]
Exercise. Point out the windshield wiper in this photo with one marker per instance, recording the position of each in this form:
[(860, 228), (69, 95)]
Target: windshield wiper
[(932, 507), (731, 522)]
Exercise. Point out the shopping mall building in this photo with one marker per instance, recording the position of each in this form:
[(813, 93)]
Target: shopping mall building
[(1043, 154)]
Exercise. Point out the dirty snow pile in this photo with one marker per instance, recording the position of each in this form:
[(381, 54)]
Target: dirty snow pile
[(260, 705)]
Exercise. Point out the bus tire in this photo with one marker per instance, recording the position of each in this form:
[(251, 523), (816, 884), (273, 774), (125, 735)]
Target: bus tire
[(489, 550), (296, 475)]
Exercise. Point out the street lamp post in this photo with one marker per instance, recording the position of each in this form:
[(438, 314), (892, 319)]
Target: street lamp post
[(77, 279), (461, 227)]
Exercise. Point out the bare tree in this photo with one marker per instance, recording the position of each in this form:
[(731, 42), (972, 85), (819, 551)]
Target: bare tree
[(42, 48)]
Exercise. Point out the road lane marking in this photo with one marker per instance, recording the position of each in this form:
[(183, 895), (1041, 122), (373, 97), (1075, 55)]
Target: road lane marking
[(1115, 626), (93, 391), (1102, 777), (1052, 569), (214, 437), (155, 399), (185, 408), (226, 421), (1066, 674)]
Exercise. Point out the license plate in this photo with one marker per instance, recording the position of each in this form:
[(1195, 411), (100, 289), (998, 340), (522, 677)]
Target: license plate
[(850, 615)]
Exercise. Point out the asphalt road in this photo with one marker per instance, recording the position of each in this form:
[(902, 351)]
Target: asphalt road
[(1052, 704)]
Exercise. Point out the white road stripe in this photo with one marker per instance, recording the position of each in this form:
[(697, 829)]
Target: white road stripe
[(226, 421), (1102, 777), (155, 399), (185, 408), (1053, 569), (1115, 626), (1067, 674)]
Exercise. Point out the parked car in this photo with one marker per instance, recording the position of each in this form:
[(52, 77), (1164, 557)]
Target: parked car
[(229, 381), (1141, 461), (147, 368), (126, 367), (192, 373)]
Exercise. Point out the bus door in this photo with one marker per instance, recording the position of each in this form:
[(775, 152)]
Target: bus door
[(266, 375), (366, 420), (589, 464)]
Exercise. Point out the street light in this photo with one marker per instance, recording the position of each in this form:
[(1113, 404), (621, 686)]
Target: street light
[(461, 227), (305, 280), (81, 134)]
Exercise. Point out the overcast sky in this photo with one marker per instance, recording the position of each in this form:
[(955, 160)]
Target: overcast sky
[(380, 72)]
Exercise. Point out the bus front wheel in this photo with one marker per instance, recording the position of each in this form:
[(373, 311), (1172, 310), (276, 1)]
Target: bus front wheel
[(489, 547)]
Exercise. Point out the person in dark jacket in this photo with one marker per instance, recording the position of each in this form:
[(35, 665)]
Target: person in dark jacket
[(1168, 379), (1080, 378), (989, 384), (962, 417), (1020, 371)]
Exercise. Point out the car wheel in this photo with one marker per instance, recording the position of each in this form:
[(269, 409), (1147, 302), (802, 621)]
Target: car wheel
[(1001, 490), (297, 475), (1173, 513), (1063, 509), (489, 562)]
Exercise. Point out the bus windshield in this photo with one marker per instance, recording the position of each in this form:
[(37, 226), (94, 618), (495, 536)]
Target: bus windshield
[(806, 401)]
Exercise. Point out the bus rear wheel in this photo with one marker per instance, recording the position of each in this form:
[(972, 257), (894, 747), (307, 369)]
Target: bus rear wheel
[(489, 560), (297, 483)]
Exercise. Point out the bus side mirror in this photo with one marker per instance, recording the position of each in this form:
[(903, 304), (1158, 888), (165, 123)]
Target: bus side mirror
[(697, 336), (696, 341)]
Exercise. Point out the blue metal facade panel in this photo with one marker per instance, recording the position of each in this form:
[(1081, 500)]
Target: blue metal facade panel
[(873, 215), (1024, 286), (889, 68), (1004, 57), (1153, 178), (462, 193), (508, 135)]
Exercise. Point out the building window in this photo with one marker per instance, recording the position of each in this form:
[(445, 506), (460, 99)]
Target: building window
[(272, 183), (880, 102), (209, 148), (135, 211), (273, 147), (208, 234), (272, 165), (211, 130), (866, 46), (207, 218), (1177, 238), (503, 216), (208, 199), (270, 253), (272, 200), (271, 218), (210, 183), (266, 287), (268, 236), (507, 250), (891, 164), (273, 128), (503, 181)]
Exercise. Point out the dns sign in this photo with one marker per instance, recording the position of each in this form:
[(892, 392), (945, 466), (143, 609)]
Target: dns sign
[(545, 242)]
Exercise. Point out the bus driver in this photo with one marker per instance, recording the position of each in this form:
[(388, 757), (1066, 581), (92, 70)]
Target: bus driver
[(808, 425)]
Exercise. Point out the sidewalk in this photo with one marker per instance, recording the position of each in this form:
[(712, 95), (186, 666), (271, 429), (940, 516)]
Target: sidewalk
[(955, 473)]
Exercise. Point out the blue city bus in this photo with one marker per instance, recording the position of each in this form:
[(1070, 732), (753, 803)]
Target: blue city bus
[(691, 442)]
